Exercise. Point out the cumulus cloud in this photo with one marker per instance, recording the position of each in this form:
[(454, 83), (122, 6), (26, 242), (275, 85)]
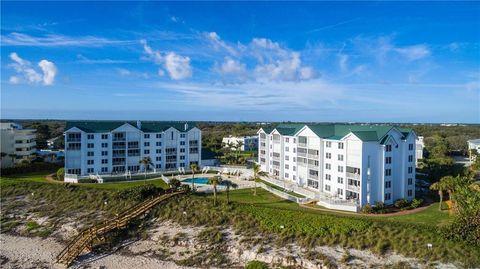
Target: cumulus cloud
[(30, 75), (231, 66), (177, 66)]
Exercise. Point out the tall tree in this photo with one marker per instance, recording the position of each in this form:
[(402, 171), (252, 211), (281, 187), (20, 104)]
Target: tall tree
[(194, 168), (146, 162), (256, 170), (214, 181), (229, 184), (438, 186)]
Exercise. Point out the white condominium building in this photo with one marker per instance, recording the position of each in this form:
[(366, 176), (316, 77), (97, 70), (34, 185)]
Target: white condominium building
[(359, 163), (112, 147), (248, 143), (17, 143)]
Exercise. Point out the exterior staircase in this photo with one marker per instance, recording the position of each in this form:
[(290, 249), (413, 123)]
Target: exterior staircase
[(83, 241)]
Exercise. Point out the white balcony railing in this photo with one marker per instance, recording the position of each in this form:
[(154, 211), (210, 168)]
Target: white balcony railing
[(353, 188)]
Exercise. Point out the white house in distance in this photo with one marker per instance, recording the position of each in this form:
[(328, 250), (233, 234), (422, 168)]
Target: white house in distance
[(17, 143), (249, 143), (473, 144), (116, 147), (353, 164), (419, 148)]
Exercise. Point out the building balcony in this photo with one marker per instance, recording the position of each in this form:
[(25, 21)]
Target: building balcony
[(301, 154), (276, 158), (25, 145), (353, 175), (118, 139), (302, 145), (312, 156), (315, 177), (353, 188)]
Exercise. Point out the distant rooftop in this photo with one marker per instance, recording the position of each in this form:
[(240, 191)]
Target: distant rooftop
[(337, 131), (145, 126)]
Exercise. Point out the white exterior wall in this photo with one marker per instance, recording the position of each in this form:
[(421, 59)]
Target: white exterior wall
[(80, 159), (17, 143), (368, 157)]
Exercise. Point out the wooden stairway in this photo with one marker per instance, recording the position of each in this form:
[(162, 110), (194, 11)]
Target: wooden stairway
[(84, 239)]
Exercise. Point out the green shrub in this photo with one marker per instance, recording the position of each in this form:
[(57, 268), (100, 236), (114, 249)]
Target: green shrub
[(61, 174), (30, 168), (380, 207), (256, 265), (367, 209), (416, 203), (402, 204), (87, 180), (140, 192)]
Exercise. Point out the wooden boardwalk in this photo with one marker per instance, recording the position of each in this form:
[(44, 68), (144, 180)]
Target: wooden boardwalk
[(84, 240)]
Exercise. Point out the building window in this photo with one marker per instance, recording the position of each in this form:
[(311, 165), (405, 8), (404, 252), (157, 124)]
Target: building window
[(409, 192), (89, 170), (287, 139), (104, 145), (158, 158), (388, 184), (159, 151), (410, 170), (340, 145), (294, 151), (146, 136), (410, 158), (294, 140), (182, 157), (410, 146), (104, 169), (388, 148), (147, 151), (286, 149), (388, 160), (104, 136), (286, 157), (104, 161), (328, 144), (286, 175), (287, 166), (158, 166), (182, 135), (104, 153), (90, 136), (410, 181), (182, 143), (340, 157), (294, 159), (339, 191), (294, 168), (328, 155), (340, 180), (90, 162), (159, 144), (388, 196), (328, 166), (159, 135), (340, 169), (182, 150), (328, 177), (388, 172), (327, 187), (146, 144), (90, 153), (90, 145)]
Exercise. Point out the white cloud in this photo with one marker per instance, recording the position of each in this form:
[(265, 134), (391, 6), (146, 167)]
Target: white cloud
[(177, 66), (24, 68), (307, 73), (415, 52), (124, 72), (218, 43), (343, 62), (49, 71), (231, 66), (54, 40)]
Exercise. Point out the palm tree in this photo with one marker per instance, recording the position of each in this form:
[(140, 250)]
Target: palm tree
[(214, 181), (238, 148), (256, 170), (194, 168), (146, 162), (229, 184), (438, 186)]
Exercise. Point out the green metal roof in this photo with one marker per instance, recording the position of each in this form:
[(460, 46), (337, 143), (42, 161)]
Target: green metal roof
[(146, 126), (338, 131)]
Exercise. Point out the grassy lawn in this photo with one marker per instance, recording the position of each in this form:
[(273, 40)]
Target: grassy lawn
[(282, 189), (429, 216)]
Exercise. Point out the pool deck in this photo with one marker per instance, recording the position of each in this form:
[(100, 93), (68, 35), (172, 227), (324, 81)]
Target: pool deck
[(242, 182)]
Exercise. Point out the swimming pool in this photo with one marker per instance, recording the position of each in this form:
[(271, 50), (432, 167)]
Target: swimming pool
[(197, 180)]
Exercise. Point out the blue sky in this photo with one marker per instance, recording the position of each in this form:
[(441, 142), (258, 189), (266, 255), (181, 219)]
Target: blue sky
[(245, 61)]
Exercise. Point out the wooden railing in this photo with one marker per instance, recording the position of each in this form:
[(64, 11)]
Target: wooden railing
[(84, 239)]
